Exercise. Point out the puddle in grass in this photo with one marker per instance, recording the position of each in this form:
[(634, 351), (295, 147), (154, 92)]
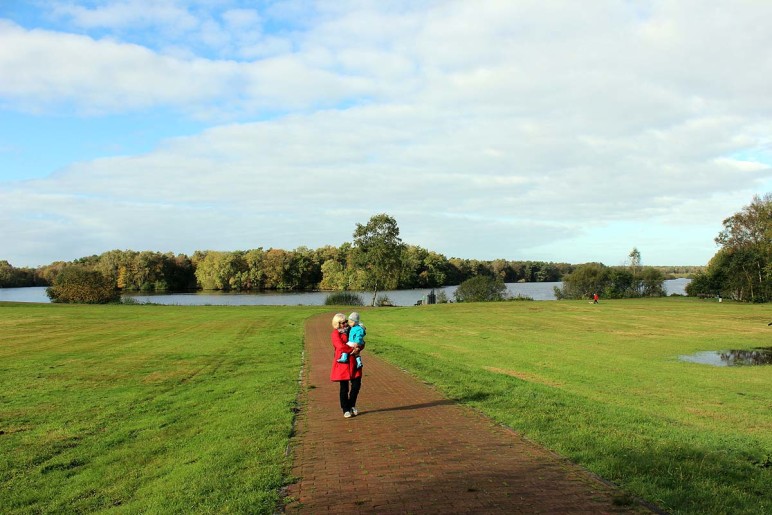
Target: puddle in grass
[(732, 358)]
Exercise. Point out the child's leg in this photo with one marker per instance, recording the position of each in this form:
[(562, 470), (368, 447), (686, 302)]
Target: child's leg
[(343, 358)]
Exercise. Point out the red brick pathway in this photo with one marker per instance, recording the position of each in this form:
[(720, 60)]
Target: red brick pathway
[(412, 451)]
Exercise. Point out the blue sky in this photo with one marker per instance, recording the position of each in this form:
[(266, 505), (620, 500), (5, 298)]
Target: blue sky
[(558, 131)]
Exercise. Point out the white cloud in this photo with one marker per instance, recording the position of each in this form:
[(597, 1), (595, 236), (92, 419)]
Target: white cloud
[(42, 69), (487, 128)]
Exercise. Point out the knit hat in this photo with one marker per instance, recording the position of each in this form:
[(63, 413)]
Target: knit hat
[(354, 317)]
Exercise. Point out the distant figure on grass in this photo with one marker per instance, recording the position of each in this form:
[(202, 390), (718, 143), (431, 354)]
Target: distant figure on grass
[(356, 338), (347, 374), (594, 298)]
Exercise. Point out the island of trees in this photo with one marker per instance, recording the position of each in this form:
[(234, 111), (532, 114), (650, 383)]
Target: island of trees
[(327, 268)]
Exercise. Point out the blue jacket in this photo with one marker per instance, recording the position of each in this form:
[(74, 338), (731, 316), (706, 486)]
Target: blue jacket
[(357, 335)]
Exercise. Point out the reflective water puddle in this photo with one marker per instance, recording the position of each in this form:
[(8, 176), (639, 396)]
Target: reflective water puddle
[(732, 358)]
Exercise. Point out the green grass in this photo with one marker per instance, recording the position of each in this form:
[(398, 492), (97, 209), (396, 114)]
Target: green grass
[(166, 409), (146, 408), (602, 385)]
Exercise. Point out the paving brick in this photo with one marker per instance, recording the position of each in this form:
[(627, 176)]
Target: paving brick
[(412, 451)]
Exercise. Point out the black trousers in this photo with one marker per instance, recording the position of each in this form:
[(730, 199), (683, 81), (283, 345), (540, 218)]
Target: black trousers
[(349, 390)]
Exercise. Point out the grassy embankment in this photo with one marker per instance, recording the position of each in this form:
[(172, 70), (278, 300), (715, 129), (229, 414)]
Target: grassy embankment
[(185, 409), (602, 385), (146, 408)]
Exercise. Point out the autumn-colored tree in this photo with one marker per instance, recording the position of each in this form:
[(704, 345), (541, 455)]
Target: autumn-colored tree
[(76, 284)]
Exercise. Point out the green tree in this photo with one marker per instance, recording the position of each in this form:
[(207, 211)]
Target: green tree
[(742, 267), (585, 280), (110, 265), (436, 269), (305, 269), (254, 276), (617, 282), (482, 288), (413, 273), (651, 282), (635, 261), (277, 265), (178, 273), (12, 277), (502, 269), (378, 252), (7, 278), (221, 270), (77, 285), (333, 276), (49, 272)]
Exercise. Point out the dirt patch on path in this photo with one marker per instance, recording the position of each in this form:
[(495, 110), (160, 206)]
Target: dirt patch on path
[(412, 451)]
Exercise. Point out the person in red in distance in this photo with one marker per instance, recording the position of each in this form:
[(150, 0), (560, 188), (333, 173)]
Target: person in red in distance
[(347, 374)]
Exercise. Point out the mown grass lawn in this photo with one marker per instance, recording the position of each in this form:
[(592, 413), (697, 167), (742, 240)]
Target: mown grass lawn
[(167, 409), (603, 385), (158, 409)]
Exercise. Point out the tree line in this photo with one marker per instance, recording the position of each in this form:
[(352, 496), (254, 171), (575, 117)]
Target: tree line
[(378, 260), (326, 268)]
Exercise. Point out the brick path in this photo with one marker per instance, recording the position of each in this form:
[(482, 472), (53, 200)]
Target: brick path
[(412, 451)]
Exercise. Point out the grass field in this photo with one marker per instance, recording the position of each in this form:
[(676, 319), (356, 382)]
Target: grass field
[(602, 385), (146, 408), (168, 409)]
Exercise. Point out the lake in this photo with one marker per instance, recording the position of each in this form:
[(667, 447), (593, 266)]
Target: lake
[(537, 291)]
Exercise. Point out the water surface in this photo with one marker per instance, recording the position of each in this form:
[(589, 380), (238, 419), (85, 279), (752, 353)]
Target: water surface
[(537, 291), (732, 358)]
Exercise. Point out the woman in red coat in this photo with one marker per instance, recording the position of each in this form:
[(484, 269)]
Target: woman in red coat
[(347, 374)]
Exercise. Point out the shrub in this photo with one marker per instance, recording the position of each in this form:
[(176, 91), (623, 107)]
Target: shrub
[(77, 285), (482, 288), (344, 298), (384, 301)]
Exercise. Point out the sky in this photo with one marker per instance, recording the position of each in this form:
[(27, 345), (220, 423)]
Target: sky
[(526, 130)]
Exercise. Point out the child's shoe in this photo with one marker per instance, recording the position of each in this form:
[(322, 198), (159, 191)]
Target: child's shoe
[(343, 358), (359, 362)]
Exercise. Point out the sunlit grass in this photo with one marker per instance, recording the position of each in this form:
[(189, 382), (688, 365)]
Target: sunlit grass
[(188, 409), (146, 408), (603, 385)]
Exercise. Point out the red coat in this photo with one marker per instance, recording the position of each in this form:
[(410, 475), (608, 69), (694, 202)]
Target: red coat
[(343, 371)]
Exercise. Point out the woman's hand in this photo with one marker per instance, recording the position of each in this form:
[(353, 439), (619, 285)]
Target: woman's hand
[(355, 351)]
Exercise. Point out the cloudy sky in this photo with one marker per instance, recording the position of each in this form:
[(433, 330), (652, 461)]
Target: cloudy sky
[(518, 129)]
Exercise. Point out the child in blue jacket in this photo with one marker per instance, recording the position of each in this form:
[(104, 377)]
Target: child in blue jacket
[(356, 338)]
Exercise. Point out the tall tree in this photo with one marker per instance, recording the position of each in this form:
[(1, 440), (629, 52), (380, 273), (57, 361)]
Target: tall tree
[(635, 261), (379, 252), (751, 226), (742, 268)]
